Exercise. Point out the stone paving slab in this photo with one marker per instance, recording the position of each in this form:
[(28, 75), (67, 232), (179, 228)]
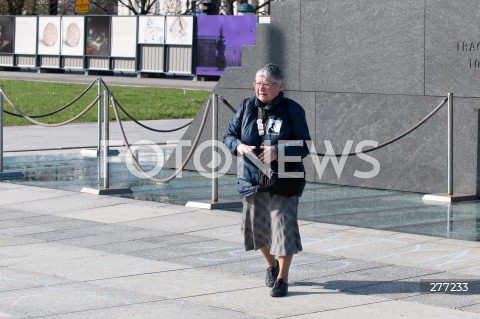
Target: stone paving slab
[(16, 279), (303, 299), (42, 252), (440, 256), (384, 274), (472, 308), (51, 204), (14, 241), (403, 249), (183, 283), (356, 245), (193, 221), (394, 310), (28, 230), (121, 213), (172, 309), (228, 233), (71, 297), (439, 300), (99, 267), (140, 244), (7, 214), (71, 255), (200, 248), (474, 270), (87, 241), (16, 195), (228, 260)]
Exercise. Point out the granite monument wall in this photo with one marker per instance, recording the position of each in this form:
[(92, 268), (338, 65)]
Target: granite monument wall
[(370, 70)]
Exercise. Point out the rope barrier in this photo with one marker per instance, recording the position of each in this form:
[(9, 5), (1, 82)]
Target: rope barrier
[(228, 105), (58, 110), (116, 105), (410, 130), (147, 127), (20, 112), (104, 84), (138, 122), (189, 155)]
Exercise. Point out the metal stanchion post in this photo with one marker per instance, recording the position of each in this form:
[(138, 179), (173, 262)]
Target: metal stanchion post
[(4, 175), (214, 148), (106, 190), (449, 197), (450, 146), (97, 152), (214, 203), (99, 114), (106, 136), (99, 127)]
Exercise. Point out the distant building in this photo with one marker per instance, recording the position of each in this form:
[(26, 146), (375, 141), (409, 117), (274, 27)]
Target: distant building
[(206, 50)]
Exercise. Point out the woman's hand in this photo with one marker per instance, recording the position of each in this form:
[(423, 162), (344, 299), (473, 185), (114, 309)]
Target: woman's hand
[(244, 149), (268, 155)]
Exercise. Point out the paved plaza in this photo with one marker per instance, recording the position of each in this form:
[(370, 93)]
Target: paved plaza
[(67, 254), (73, 255)]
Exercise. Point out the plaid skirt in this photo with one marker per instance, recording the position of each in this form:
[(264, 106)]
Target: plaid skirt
[(270, 220)]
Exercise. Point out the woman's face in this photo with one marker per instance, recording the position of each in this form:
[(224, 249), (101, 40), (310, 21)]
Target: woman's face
[(266, 89)]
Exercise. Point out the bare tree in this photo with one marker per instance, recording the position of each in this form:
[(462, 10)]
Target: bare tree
[(24, 7), (225, 7), (103, 6), (36, 7), (171, 6), (67, 7), (12, 7), (137, 7)]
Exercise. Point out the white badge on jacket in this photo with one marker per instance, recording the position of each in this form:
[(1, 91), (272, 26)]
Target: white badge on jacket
[(274, 126)]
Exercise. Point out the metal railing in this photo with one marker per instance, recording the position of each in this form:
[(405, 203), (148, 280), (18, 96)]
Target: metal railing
[(448, 99), (104, 97)]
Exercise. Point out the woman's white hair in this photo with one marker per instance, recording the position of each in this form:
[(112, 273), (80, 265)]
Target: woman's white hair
[(273, 71)]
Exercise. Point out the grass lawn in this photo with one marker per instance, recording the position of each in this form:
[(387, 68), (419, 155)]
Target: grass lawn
[(36, 98)]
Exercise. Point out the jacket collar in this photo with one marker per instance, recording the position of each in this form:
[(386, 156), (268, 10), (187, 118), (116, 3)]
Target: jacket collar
[(272, 106)]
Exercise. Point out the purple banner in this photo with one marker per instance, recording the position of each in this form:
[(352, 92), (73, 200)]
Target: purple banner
[(219, 42)]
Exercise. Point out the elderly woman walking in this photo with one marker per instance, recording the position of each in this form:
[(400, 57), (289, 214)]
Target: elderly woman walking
[(267, 129)]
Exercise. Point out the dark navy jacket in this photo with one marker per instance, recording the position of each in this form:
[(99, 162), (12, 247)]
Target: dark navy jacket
[(284, 119)]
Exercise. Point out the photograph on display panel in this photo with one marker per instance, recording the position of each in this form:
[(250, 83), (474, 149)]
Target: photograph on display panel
[(49, 35), (73, 36), (220, 40), (151, 30), (26, 35), (124, 37), (179, 30), (7, 27), (98, 36)]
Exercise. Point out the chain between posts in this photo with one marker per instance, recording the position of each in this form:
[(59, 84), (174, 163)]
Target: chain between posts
[(107, 96), (189, 155), (57, 110), (410, 130)]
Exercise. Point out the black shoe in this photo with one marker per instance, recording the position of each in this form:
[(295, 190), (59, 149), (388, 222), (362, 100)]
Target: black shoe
[(280, 288), (272, 274)]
